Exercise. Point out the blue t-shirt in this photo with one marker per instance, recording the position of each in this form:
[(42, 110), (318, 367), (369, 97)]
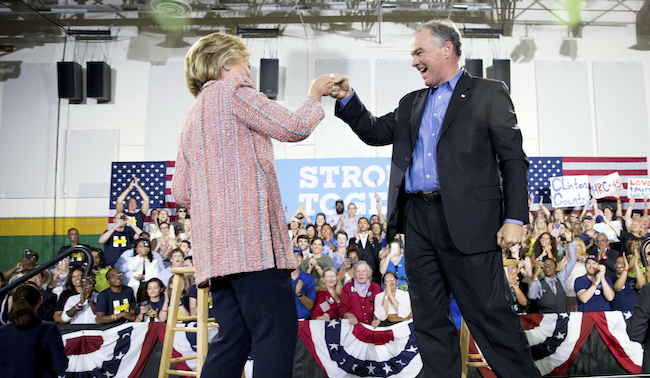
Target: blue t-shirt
[(399, 270), (597, 301), (111, 303), (308, 290), (157, 306), (117, 243), (137, 218), (625, 299)]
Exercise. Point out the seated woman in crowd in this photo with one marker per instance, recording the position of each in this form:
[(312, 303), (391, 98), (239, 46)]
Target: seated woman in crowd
[(317, 263), (141, 265), (154, 303), (166, 242), (99, 269), (378, 233), (320, 221), (392, 260), (60, 276), (346, 271), (328, 239), (163, 217), (80, 308), (539, 227), (328, 293), (392, 305), (293, 226), (358, 297), (546, 246), (72, 288), (30, 347), (518, 289)]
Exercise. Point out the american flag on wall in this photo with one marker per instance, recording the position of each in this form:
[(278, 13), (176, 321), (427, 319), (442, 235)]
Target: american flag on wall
[(543, 168), (155, 178)]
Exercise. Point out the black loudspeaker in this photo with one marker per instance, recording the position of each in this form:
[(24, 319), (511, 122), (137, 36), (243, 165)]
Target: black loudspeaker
[(474, 67), (501, 71), (98, 81), (269, 77), (69, 79)]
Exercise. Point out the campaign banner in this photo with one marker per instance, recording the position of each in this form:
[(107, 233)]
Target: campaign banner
[(569, 191), (318, 183), (606, 186), (638, 187)]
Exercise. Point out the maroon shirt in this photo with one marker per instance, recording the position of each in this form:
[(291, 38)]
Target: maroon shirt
[(362, 308)]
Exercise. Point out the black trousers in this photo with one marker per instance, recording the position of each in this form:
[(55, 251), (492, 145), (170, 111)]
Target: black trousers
[(436, 268), (257, 315)]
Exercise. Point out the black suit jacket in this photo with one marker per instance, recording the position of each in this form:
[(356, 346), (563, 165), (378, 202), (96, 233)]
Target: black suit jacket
[(479, 145), (637, 325)]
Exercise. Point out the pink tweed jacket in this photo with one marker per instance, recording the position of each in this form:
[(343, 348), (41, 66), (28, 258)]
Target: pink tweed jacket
[(225, 174)]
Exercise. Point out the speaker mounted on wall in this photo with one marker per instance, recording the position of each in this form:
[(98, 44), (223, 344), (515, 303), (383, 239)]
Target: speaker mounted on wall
[(98, 81), (269, 77), (69, 80), (501, 71), (474, 67)]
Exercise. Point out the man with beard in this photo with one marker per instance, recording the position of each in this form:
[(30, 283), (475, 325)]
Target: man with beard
[(594, 289), (336, 220)]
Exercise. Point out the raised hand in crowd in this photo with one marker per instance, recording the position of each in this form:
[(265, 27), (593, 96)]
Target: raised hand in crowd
[(538, 268)]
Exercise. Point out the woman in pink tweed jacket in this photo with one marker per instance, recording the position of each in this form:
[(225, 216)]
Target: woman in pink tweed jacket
[(225, 173)]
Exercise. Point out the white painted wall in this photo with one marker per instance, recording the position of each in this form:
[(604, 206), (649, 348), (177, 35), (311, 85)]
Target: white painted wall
[(133, 56)]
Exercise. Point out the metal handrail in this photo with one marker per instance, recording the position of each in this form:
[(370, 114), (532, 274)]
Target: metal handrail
[(50, 263)]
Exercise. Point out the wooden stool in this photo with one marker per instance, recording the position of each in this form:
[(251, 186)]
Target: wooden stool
[(201, 329), (465, 356)]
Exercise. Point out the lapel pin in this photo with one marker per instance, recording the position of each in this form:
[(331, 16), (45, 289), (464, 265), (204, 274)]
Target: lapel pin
[(462, 95)]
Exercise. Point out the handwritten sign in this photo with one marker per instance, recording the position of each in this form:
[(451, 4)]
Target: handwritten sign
[(569, 191), (605, 229), (638, 187), (606, 186)]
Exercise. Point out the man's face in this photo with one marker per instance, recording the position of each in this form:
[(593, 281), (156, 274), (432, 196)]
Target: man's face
[(177, 259), (592, 267), (352, 209), (645, 222), (635, 227), (549, 268), (184, 247), (303, 244), (38, 280), (297, 257), (428, 58), (339, 208), (620, 265), (182, 213), (114, 278), (73, 236), (132, 205), (363, 224), (341, 240), (361, 273), (588, 223), (602, 242), (163, 216), (120, 219), (164, 229)]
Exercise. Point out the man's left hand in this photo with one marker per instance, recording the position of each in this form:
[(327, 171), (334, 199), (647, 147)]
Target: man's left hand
[(509, 234)]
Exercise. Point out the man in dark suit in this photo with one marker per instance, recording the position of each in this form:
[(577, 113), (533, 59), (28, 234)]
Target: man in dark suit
[(457, 159)]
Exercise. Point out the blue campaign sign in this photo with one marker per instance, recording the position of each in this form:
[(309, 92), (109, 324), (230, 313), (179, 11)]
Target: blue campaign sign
[(318, 183)]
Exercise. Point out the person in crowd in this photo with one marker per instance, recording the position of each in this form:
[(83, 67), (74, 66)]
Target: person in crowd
[(392, 260), (378, 233), (589, 234), (317, 263), (99, 269), (546, 246), (349, 222), (154, 303), (635, 215), (29, 262), (115, 303), (392, 305), (77, 258), (518, 289), (558, 218), (549, 292), (166, 242), (293, 226), (136, 216), (623, 235), (368, 246), (80, 308), (328, 295), (154, 231), (142, 266), (186, 247), (311, 232), (346, 271), (336, 220), (30, 347), (242, 121), (301, 215), (594, 290), (572, 219), (60, 276), (380, 213), (176, 259), (320, 221), (119, 238), (73, 286), (358, 297), (329, 240), (48, 305), (304, 288), (627, 288), (578, 270), (184, 307), (606, 255), (186, 234), (181, 216), (340, 253), (637, 325), (152, 226), (494, 165), (302, 245)]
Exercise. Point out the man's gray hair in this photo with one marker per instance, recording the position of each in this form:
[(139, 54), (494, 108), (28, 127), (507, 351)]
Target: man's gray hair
[(443, 30), (362, 262)]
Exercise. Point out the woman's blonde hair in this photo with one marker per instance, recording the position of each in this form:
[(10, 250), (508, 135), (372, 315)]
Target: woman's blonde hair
[(321, 282), (205, 58)]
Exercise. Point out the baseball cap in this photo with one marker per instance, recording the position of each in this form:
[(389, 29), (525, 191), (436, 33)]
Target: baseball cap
[(588, 217), (592, 257), (29, 254), (339, 201)]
